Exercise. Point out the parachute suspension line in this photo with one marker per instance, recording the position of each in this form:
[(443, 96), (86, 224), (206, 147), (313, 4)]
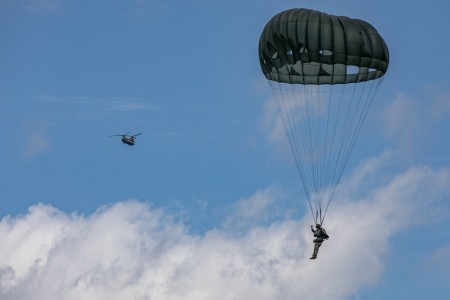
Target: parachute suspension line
[(335, 112), (343, 138), (282, 99), (322, 124), (308, 124), (346, 103), (328, 155), (319, 147), (305, 110), (343, 148), (328, 149), (300, 106), (309, 145), (368, 100), (367, 97), (317, 139), (322, 180), (362, 116)]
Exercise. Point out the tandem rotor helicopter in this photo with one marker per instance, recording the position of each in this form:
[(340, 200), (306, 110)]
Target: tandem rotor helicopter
[(126, 138)]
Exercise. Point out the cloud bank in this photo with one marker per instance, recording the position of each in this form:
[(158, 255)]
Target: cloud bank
[(129, 250)]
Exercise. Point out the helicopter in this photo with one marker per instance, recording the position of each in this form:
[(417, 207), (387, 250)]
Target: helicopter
[(126, 138)]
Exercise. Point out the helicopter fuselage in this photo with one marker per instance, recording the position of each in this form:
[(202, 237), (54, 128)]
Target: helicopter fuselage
[(128, 140)]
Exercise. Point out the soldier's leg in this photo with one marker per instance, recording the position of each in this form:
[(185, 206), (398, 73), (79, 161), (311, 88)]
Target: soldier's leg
[(316, 249)]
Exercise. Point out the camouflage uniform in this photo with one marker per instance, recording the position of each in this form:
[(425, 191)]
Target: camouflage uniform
[(320, 235)]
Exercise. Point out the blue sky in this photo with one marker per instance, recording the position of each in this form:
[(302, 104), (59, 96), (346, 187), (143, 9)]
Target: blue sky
[(207, 205)]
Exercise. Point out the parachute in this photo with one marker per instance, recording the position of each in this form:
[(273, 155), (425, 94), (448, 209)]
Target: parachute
[(324, 71)]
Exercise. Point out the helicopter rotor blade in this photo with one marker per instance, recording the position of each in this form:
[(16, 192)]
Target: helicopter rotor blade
[(137, 134), (124, 134)]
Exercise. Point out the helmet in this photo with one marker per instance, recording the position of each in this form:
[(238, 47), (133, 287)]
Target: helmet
[(318, 226)]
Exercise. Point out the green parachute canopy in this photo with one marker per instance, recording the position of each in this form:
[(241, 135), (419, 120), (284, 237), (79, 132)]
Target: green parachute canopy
[(324, 71), (312, 47)]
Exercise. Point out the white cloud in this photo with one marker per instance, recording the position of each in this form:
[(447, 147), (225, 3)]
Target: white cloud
[(440, 106), (441, 259), (129, 250), (272, 121), (293, 108), (259, 207), (36, 140), (272, 125), (417, 124), (404, 122)]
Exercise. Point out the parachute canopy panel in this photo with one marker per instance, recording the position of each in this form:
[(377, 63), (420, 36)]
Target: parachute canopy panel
[(311, 47)]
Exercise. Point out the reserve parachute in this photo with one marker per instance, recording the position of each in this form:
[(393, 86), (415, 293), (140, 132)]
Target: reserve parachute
[(324, 71)]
